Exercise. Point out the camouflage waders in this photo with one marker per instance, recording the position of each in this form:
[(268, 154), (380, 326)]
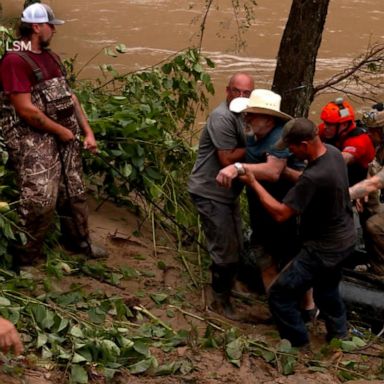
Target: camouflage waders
[(37, 159)]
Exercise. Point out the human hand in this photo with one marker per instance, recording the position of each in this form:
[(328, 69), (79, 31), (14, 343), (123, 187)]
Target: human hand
[(9, 337), (248, 178), (90, 143), (359, 204), (65, 135), (226, 175)]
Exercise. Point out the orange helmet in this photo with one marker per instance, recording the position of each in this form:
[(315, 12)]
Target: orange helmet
[(338, 111)]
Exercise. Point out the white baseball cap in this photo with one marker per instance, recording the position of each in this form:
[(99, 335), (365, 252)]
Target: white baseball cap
[(38, 13)]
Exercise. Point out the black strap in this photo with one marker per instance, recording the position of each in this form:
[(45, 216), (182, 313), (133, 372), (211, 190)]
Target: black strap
[(356, 132), (58, 62), (35, 68)]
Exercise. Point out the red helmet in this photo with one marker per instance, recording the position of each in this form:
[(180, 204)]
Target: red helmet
[(338, 111)]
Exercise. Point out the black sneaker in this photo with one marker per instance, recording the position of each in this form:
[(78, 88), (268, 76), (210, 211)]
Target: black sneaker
[(310, 315)]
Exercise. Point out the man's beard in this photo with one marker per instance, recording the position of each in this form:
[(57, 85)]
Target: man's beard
[(44, 43)]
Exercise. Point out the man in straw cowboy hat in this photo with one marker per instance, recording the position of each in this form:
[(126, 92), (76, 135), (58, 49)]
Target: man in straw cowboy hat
[(370, 188), (321, 199), (271, 243), (222, 142)]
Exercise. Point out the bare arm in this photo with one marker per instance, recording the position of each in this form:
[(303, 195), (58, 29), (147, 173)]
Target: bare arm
[(9, 338), (270, 171), (291, 174), (24, 107), (279, 211), (230, 156), (89, 137), (365, 187)]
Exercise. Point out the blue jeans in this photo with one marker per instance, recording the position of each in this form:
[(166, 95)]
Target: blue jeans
[(310, 268)]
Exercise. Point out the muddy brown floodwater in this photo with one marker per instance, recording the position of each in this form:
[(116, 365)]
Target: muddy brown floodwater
[(154, 29)]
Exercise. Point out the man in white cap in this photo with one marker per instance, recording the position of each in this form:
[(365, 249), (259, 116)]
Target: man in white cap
[(41, 123), (321, 199), (222, 142), (371, 188), (272, 244)]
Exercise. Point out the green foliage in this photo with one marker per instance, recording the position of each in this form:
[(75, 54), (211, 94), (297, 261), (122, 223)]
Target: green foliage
[(6, 39), (144, 123)]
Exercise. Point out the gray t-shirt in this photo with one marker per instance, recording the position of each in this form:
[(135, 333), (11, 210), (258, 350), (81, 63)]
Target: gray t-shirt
[(224, 130)]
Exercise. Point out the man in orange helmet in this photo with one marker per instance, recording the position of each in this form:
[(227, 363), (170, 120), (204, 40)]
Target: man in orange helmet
[(339, 129)]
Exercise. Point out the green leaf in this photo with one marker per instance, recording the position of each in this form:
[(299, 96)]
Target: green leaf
[(4, 302), (76, 331), (348, 345), (285, 346), (159, 298), (141, 348), (268, 356), (79, 375), (77, 358), (234, 351), (121, 48), (42, 339), (141, 366), (96, 315), (358, 342)]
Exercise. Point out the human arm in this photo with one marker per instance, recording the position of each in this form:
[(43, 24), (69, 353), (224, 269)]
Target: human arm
[(365, 187), (9, 337), (89, 138), (291, 174), (33, 116), (230, 156), (279, 211), (269, 171)]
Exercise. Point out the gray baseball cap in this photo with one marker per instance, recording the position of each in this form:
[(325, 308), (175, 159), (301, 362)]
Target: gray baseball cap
[(39, 13)]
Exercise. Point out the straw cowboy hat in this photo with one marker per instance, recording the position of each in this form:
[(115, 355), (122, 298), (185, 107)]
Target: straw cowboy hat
[(261, 101)]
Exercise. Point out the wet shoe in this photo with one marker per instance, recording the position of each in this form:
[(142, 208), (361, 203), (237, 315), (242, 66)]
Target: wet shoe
[(93, 251), (222, 305), (310, 315)]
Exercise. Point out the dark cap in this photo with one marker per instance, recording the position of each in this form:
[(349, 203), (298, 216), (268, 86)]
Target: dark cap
[(296, 131)]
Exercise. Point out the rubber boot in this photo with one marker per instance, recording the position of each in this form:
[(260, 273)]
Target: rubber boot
[(222, 282), (222, 305)]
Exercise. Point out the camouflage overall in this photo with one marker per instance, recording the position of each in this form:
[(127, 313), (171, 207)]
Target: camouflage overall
[(38, 160)]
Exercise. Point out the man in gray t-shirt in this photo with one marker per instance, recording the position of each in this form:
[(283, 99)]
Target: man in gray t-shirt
[(222, 143)]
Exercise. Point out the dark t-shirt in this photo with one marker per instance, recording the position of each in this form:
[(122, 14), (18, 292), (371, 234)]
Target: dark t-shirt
[(16, 75), (321, 197)]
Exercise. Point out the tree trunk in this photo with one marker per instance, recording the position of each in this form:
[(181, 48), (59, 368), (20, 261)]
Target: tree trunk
[(296, 60)]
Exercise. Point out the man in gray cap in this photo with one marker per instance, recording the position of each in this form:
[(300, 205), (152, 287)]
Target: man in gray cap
[(41, 123), (322, 201)]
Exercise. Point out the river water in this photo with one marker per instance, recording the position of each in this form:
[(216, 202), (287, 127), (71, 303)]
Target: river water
[(153, 30)]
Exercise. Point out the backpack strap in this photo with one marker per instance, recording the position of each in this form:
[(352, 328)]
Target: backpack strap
[(35, 68), (58, 62), (357, 131)]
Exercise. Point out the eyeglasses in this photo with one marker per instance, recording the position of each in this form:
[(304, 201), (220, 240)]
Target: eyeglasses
[(240, 92)]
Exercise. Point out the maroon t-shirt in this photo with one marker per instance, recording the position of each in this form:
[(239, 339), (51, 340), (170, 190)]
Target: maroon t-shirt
[(16, 75)]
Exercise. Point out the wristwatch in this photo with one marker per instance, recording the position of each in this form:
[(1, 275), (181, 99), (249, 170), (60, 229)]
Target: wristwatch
[(240, 169)]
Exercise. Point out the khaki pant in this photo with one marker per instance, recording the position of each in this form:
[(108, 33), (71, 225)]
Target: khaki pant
[(375, 242)]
